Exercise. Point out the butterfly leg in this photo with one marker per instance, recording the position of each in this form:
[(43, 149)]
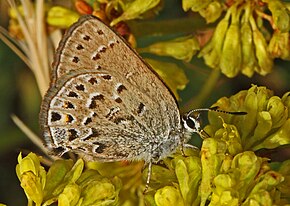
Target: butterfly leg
[(148, 177), (187, 146), (182, 150)]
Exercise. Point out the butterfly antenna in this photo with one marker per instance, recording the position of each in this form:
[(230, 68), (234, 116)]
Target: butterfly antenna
[(215, 109)]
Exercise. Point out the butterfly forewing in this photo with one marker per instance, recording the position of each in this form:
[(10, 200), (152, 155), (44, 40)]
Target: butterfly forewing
[(104, 101)]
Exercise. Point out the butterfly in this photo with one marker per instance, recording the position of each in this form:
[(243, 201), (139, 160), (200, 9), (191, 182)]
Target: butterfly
[(107, 104)]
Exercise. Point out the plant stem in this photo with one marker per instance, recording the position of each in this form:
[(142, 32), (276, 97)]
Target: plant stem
[(207, 88)]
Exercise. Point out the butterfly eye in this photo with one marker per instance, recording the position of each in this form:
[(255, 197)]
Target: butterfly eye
[(190, 123)]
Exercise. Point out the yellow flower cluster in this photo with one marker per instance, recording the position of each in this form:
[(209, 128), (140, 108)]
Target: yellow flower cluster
[(213, 177), (267, 124), (225, 171), (65, 183), (241, 42)]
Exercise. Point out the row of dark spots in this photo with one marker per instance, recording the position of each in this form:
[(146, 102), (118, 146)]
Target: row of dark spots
[(88, 120), (79, 47), (107, 77), (73, 134), (68, 105), (121, 88), (112, 44), (100, 148), (80, 87), (93, 103), (69, 118), (87, 38), (118, 100), (93, 81), (103, 50), (100, 32), (72, 94), (56, 117), (75, 59), (94, 134), (97, 56), (141, 108)]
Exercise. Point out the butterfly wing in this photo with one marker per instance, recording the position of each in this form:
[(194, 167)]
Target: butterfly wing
[(104, 101)]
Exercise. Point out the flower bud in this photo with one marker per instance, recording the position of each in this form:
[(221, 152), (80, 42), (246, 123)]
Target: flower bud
[(279, 45), (278, 111), (134, 9), (267, 181), (230, 64), (182, 48), (195, 5), (249, 166), (55, 175), (212, 12), (224, 198), (168, 196), (230, 135), (285, 171), (278, 138), (265, 61), (83, 7), (70, 195), (76, 171), (213, 49), (61, 17), (32, 176), (188, 173), (28, 163), (248, 51), (280, 15), (286, 101), (99, 192), (212, 154), (32, 187)]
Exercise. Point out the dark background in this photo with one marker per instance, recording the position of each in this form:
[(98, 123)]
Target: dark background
[(19, 95)]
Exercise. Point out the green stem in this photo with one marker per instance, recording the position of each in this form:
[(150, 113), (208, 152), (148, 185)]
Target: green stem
[(165, 27), (206, 90)]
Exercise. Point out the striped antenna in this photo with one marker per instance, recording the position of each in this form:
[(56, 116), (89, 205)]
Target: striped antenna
[(215, 109)]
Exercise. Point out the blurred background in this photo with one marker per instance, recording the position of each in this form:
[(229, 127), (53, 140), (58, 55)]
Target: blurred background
[(19, 93)]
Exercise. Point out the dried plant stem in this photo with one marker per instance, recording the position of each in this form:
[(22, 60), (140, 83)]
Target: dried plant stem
[(32, 26), (12, 45), (31, 135)]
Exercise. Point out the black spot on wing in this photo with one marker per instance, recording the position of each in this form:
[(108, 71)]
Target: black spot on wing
[(80, 87), (55, 116), (121, 88), (72, 94), (72, 134), (99, 147)]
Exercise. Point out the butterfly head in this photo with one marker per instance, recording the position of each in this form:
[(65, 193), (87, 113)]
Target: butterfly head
[(191, 121)]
